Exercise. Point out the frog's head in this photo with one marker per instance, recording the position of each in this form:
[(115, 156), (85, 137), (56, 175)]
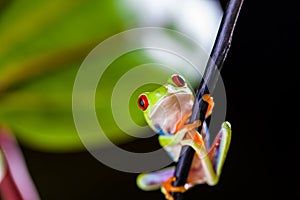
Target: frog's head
[(164, 107)]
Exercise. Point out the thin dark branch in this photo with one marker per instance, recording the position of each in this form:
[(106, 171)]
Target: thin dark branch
[(207, 85)]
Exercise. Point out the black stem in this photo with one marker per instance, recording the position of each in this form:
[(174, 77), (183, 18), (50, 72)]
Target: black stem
[(207, 85)]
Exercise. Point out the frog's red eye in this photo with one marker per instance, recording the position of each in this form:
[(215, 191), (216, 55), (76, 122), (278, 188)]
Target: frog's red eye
[(178, 80), (143, 102)]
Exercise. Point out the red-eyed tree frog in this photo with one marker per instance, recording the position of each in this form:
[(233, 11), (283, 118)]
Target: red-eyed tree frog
[(167, 111)]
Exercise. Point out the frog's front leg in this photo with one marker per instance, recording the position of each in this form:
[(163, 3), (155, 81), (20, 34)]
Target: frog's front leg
[(182, 128), (169, 140), (213, 160)]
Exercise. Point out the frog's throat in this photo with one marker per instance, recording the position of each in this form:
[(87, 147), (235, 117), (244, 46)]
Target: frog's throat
[(157, 106)]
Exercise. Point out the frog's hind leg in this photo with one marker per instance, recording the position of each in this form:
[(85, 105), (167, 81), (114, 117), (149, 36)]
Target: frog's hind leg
[(154, 180), (213, 160), (220, 146)]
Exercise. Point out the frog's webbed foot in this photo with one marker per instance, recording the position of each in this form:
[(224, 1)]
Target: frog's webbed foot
[(168, 187), (184, 124), (208, 99)]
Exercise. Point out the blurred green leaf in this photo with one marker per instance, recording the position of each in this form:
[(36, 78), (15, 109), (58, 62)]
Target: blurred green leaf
[(42, 46)]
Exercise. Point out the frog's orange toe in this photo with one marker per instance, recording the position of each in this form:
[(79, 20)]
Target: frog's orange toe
[(168, 187), (207, 98)]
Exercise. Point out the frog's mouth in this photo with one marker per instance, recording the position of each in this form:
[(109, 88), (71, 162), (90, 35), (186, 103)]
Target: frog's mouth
[(169, 110)]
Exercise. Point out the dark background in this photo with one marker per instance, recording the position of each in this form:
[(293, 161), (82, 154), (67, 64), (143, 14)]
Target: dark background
[(262, 161)]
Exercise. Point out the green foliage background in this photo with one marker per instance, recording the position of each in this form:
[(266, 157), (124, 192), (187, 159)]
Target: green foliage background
[(42, 44)]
